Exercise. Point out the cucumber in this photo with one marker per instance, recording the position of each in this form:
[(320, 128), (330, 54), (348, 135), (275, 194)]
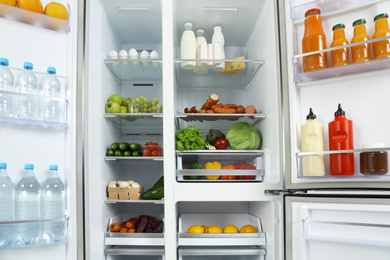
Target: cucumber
[(159, 183), (155, 193)]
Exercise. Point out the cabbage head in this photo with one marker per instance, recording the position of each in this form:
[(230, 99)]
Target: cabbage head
[(243, 136)]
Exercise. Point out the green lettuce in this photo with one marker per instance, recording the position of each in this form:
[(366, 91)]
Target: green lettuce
[(189, 139)]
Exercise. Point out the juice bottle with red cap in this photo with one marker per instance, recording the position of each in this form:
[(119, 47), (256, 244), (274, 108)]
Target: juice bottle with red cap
[(314, 39), (339, 57), (360, 53), (381, 48)]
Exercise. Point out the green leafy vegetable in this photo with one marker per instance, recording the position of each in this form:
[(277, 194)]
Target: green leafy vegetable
[(243, 136), (189, 139), (213, 134)]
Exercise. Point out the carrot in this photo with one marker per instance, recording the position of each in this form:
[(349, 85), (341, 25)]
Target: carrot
[(230, 106), (240, 109), (225, 110), (115, 227), (212, 100), (250, 110)]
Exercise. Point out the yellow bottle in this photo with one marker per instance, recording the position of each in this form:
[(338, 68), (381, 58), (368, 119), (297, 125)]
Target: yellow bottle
[(340, 57), (381, 48), (360, 53), (312, 140)]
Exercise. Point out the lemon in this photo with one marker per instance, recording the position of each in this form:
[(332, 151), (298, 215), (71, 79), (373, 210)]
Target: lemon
[(248, 229), (204, 227), (230, 229), (8, 2), (31, 5), (7, 9), (213, 229), (195, 229), (56, 10)]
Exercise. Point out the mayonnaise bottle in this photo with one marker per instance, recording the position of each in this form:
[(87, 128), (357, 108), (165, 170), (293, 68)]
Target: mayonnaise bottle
[(312, 140), (218, 42), (188, 47), (201, 53)]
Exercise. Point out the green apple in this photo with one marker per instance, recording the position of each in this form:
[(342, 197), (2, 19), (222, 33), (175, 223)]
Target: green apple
[(126, 101), (123, 109), (116, 98), (113, 107)]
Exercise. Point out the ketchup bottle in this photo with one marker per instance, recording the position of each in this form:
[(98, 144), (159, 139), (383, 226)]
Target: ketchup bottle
[(341, 138)]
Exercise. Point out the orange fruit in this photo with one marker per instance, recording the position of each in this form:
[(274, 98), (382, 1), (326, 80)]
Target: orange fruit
[(129, 225), (204, 227), (248, 229), (131, 230), (195, 229), (31, 5), (230, 229), (213, 229)]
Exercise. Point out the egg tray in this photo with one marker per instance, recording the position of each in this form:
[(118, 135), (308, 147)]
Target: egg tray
[(125, 193)]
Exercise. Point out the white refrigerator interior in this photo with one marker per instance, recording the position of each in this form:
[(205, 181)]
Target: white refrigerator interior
[(45, 42)]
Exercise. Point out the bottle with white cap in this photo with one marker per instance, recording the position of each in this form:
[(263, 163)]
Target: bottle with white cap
[(201, 52), (188, 47), (218, 42)]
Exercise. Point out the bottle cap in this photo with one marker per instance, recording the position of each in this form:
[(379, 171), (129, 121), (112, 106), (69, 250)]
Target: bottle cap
[(217, 28), (28, 65), (373, 145), (338, 26), (339, 111), (53, 167), (200, 32), (312, 11), (4, 61), (358, 21), (51, 70), (188, 26), (311, 115), (3, 165), (29, 166), (383, 15)]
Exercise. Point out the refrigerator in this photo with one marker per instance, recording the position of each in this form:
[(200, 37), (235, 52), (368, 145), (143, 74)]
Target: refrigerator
[(297, 217)]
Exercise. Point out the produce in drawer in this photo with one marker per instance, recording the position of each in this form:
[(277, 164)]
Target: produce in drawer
[(213, 166), (243, 136), (198, 229), (194, 166), (146, 224)]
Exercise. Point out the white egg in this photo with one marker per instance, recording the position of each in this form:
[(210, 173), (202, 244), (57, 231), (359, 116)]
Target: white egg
[(133, 55), (145, 56), (113, 55), (123, 56), (154, 56)]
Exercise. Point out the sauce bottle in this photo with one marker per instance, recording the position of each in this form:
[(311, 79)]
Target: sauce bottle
[(312, 140), (341, 138), (360, 53), (188, 47), (340, 57), (381, 48), (373, 162), (314, 39)]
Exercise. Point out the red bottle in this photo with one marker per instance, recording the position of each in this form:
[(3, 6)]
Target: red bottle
[(341, 138)]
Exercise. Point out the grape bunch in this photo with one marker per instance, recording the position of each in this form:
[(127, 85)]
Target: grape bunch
[(142, 105)]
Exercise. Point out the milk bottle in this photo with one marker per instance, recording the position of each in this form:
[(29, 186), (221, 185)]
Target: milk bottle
[(201, 53), (218, 42), (188, 47)]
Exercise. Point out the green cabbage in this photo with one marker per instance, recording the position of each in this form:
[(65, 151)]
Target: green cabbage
[(243, 136)]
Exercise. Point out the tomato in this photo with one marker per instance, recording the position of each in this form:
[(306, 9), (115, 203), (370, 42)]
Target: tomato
[(134, 221), (146, 152), (154, 153), (153, 146), (220, 143)]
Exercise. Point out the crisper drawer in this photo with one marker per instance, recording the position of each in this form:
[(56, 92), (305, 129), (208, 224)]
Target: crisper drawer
[(224, 157), (220, 239), (134, 252), (141, 239), (222, 253)]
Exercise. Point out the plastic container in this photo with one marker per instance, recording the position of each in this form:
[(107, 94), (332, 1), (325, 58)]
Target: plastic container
[(53, 206), (153, 150), (7, 194), (312, 140), (382, 48), (201, 53), (218, 42), (50, 109), (374, 162), (341, 138), (27, 83), (27, 207), (6, 84), (360, 53), (339, 57), (314, 39), (188, 47), (210, 55)]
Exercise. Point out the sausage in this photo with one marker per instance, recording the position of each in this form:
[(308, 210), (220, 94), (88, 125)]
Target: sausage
[(202, 111), (219, 105), (209, 111), (212, 100), (225, 110), (240, 109), (186, 110), (230, 106), (250, 110)]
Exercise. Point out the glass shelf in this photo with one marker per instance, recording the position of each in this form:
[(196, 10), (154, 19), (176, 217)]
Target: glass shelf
[(146, 123), (135, 69), (327, 7), (131, 250), (108, 201), (124, 158), (189, 79), (332, 72), (39, 20)]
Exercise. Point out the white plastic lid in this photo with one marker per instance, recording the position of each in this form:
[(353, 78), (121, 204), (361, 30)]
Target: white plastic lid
[(200, 32), (217, 28), (188, 26), (373, 145)]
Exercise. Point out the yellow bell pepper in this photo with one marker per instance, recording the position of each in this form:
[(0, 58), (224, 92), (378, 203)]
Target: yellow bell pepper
[(213, 166)]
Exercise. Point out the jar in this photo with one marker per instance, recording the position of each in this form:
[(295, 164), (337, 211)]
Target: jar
[(373, 162)]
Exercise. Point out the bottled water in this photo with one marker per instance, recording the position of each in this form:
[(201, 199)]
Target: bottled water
[(27, 83), (50, 109), (27, 207), (7, 193), (6, 84), (53, 206)]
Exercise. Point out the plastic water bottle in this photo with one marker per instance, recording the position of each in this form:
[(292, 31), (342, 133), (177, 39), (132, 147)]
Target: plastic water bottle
[(188, 47), (7, 193), (6, 84), (27, 83), (27, 207), (51, 87), (218, 42), (53, 206)]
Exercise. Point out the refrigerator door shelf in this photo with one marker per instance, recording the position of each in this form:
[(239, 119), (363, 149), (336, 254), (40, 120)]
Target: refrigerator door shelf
[(189, 79), (132, 250), (220, 239), (135, 69), (33, 18), (332, 72)]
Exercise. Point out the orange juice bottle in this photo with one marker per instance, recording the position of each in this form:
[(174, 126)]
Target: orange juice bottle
[(339, 57), (314, 39), (381, 48), (361, 52)]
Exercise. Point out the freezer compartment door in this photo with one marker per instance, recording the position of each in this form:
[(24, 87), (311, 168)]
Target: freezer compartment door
[(337, 228)]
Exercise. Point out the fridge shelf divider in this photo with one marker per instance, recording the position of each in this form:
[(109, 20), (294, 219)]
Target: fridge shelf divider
[(33, 123), (108, 201), (300, 154), (140, 239), (126, 158), (34, 221), (124, 69), (35, 19), (206, 251), (131, 250)]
